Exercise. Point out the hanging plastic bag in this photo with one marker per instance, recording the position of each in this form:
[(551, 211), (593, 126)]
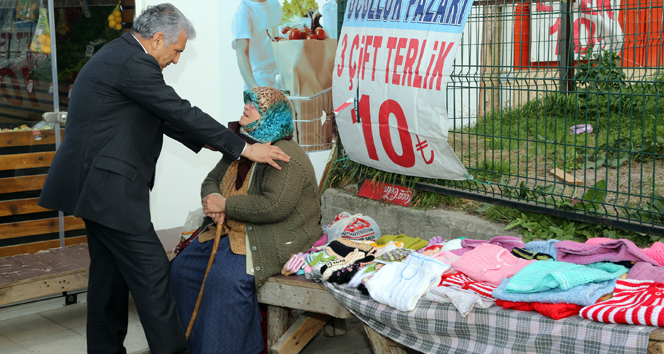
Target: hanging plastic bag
[(355, 227), (41, 42), (115, 18), (190, 230), (62, 27), (194, 221), (26, 10), (8, 21)]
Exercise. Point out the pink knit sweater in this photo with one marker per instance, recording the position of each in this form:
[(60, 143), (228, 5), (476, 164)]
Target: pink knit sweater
[(490, 263)]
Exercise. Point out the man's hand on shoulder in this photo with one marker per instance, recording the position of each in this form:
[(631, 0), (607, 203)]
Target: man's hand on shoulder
[(265, 153)]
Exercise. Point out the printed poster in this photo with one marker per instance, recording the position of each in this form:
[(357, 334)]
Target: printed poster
[(595, 25), (393, 62)]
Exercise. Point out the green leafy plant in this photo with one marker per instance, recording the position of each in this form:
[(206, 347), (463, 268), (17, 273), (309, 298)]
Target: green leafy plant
[(600, 70), (297, 8), (653, 211)]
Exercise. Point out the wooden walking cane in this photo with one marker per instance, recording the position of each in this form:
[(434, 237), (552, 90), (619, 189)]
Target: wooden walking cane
[(217, 237)]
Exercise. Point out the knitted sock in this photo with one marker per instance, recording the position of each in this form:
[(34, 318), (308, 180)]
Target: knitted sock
[(395, 255), (330, 267), (318, 258), (364, 247), (290, 266), (333, 263), (365, 261), (340, 274), (336, 248), (363, 289), (522, 253), (314, 258), (344, 275), (334, 276), (390, 246), (295, 263)]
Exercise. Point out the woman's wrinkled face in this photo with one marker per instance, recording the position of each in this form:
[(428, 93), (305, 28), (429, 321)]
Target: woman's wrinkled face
[(250, 114)]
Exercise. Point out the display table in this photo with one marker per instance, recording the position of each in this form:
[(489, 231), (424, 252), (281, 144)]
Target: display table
[(439, 328)]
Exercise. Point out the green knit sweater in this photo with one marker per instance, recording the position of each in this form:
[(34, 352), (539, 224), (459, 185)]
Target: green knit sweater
[(281, 210)]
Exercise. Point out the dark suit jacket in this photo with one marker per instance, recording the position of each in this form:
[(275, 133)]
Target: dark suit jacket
[(120, 107)]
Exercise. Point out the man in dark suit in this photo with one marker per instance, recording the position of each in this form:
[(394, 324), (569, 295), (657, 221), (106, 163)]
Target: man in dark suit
[(120, 108)]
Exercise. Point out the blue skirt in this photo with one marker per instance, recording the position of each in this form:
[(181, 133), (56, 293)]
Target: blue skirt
[(229, 319)]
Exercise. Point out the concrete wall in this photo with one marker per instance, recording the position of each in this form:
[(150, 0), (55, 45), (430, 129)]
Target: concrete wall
[(394, 219)]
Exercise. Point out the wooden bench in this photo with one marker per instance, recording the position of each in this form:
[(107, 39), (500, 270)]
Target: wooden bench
[(282, 293), (30, 276), (52, 272)]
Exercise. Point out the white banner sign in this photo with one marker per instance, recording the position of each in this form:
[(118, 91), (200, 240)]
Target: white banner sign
[(394, 58), (595, 25)]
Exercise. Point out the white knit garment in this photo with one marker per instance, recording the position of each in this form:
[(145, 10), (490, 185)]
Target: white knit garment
[(402, 284)]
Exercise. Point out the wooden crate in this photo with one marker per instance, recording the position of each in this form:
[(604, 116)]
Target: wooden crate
[(25, 227)]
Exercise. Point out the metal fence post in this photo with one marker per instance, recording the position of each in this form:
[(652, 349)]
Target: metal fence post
[(566, 45)]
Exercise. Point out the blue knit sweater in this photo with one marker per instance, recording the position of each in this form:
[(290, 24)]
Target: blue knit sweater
[(584, 295), (545, 275)]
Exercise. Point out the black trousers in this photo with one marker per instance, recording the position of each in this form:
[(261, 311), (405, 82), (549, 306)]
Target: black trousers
[(121, 263)]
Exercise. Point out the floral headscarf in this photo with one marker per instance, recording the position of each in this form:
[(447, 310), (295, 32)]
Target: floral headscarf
[(276, 120)]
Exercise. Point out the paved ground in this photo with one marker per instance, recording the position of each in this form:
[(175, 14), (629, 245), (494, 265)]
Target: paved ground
[(62, 331)]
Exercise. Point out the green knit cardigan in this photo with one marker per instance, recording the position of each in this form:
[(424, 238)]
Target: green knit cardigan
[(281, 210)]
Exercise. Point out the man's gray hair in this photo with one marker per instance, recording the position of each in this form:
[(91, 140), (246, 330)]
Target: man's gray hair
[(164, 18)]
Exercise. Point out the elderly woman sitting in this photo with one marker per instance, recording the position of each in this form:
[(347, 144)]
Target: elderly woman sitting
[(266, 215)]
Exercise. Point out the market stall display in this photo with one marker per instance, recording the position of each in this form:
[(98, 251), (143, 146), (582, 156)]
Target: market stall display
[(466, 295)]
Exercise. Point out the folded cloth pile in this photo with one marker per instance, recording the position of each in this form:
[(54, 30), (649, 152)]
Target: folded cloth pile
[(490, 263), (555, 311), (586, 294), (646, 271), (402, 284), (463, 282), (351, 256), (546, 275), (609, 251), (506, 242), (463, 300), (638, 302), (546, 247)]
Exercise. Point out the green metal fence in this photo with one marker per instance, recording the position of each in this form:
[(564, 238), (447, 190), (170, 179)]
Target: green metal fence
[(530, 82)]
